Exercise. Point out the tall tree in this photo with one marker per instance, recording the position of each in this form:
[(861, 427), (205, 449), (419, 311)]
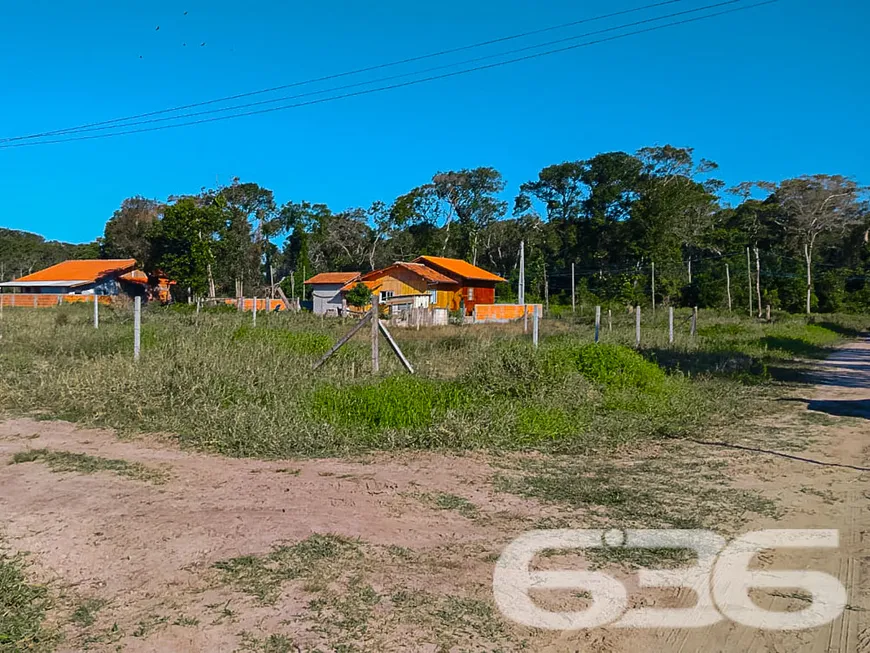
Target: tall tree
[(813, 206), (249, 219), (472, 196), (126, 232), (184, 241)]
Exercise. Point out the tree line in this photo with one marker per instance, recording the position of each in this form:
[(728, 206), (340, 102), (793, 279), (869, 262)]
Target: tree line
[(625, 226)]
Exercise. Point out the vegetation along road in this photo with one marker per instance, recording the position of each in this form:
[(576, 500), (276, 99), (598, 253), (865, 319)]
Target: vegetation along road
[(219, 497)]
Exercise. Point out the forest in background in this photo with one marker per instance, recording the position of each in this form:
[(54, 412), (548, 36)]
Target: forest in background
[(615, 218)]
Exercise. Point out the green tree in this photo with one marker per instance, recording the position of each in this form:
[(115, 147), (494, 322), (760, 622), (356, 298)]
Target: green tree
[(359, 295), (126, 232), (184, 241)]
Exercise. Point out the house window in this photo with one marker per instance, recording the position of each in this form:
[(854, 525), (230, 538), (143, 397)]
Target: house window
[(386, 294), (471, 294), (433, 297)]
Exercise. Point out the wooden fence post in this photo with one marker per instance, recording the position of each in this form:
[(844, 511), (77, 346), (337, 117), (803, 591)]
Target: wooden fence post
[(671, 325), (137, 327), (768, 312), (376, 316), (637, 325), (598, 329)]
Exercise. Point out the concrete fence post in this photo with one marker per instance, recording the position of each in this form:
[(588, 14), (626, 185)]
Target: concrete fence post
[(535, 318), (597, 323), (671, 325), (96, 313), (637, 325), (137, 327)]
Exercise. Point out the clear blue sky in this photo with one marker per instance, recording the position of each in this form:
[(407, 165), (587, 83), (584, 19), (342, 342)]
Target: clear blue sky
[(767, 93)]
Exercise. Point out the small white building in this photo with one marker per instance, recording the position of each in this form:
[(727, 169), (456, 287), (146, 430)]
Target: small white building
[(326, 296)]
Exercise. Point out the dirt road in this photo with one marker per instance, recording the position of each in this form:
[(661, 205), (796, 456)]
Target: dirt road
[(131, 552)]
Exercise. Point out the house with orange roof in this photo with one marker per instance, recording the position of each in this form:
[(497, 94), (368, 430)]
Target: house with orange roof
[(407, 285), (83, 277), (473, 284), (326, 291), (426, 282)]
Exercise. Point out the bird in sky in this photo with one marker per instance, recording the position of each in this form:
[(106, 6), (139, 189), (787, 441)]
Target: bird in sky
[(158, 29), (185, 13), (202, 45)]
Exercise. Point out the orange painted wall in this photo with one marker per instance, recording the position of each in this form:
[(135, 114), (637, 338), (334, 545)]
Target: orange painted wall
[(503, 312), (46, 300)]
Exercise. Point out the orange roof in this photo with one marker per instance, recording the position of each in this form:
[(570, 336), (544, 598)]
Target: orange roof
[(371, 284), (134, 276), (333, 277), (84, 270), (427, 273), (459, 267)]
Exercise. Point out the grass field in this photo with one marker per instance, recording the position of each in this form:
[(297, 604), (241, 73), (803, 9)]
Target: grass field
[(219, 384), (589, 433)]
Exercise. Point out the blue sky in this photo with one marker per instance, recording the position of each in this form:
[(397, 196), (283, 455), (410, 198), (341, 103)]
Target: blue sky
[(768, 93)]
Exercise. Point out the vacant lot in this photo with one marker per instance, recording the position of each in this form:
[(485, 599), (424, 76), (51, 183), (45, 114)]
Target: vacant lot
[(153, 541)]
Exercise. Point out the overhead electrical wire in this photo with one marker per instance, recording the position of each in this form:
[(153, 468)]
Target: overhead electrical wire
[(348, 73), (8, 145), (106, 127)]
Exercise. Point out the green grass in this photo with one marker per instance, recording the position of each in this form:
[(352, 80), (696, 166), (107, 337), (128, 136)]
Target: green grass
[(447, 501), (23, 608), (221, 385), (85, 614), (67, 461), (263, 576)]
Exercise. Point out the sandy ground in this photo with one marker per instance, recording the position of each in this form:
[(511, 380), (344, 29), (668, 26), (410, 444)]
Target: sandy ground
[(147, 551)]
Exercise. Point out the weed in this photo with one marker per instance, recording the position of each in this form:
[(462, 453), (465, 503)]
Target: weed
[(445, 501), (23, 609), (85, 614), (274, 643), (67, 461), (262, 576)]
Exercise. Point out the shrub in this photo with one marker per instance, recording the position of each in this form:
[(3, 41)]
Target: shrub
[(607, 365)]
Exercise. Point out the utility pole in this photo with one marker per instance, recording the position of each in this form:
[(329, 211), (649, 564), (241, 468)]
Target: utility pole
[(728, 284), (749, 272), (521, 290), (376, 316), (758, 279)]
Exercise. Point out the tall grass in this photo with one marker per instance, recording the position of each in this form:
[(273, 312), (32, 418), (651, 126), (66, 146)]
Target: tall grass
[(220, 384)]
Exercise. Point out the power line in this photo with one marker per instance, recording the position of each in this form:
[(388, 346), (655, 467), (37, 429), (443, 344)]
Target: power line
[(394, 86), (106, 127), (349, 73)]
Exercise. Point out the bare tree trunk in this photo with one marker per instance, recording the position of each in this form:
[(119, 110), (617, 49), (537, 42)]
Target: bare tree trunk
[(758, 280), (211, 290), (808, 253)]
